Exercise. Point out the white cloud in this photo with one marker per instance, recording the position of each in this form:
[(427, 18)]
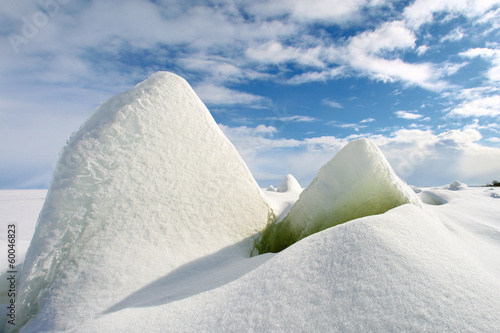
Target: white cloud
[(212, 94), (367, 120), (422, 11), (324, 75), (493, 127), (448, 69), (220, 69), (296, 119), (365, 54), (490, 21), (260, 137), (96, 44), (423, 74), (423, 158), (476, 93), (273, 52), (144, 24), (314, 10), (493, 55), (389, 36), (481, 52), (422, 49), (480, 107), (332, 104), (420, 157), (453, 36), (407, 115), (370, 53), (355, 127), (261, 130), (254, 143)]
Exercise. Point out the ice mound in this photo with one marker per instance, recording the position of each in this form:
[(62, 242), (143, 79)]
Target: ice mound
[(122, 210), (289, 184), (357, 182), (271, 189), (456, 186), (416, 189)]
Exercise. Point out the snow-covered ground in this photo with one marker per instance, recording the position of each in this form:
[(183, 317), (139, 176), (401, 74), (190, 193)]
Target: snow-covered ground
[(410, 269), (19, 207), (153, 221)]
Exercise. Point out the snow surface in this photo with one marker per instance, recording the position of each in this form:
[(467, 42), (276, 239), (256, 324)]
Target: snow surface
[(152, 214), (149, 183), (411, 269), (19, 207), (289, 184), (281, 202), (408, 270), (356, 182)]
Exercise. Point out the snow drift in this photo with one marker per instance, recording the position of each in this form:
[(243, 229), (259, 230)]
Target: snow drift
[(408, 270), (289, 184), (147, 184), (357, 182)]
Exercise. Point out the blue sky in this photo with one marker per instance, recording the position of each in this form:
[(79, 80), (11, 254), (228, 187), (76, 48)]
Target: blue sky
[(289, 81)]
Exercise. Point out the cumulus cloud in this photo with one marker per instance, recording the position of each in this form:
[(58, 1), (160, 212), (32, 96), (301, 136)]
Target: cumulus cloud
[(421, 157), (365, 53), (416, 155)]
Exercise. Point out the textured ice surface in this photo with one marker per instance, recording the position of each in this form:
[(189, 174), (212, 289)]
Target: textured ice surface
[(357, 182), (147, 184), (289, 184)]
